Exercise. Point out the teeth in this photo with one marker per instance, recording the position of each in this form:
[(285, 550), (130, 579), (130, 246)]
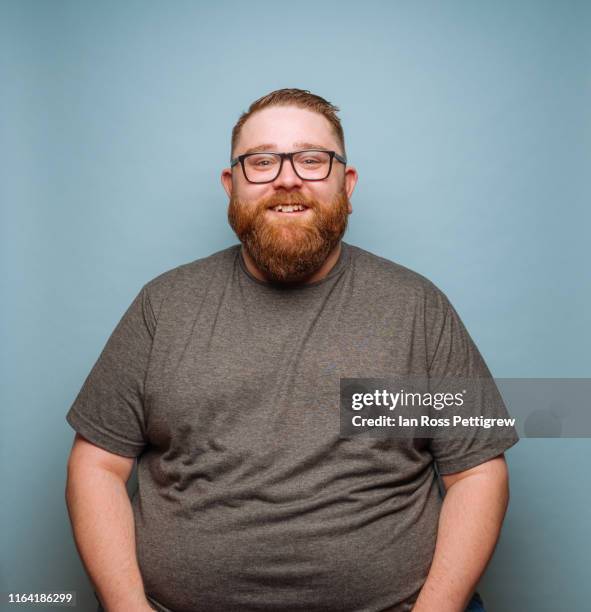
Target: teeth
[(288, 208)]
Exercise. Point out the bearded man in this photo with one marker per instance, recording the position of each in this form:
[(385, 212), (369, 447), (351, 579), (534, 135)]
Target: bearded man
[(222, 381)]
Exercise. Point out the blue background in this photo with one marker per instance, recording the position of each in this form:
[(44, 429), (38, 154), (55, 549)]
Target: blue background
[(469, 125)]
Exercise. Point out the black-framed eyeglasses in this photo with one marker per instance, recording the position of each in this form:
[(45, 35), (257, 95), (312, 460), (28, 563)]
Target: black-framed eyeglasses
[(309, 165)]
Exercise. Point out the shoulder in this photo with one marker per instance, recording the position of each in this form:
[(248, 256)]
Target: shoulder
[(382, 277), (188, 276)]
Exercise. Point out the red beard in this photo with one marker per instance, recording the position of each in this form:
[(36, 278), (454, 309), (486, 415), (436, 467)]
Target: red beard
[(292, 249)]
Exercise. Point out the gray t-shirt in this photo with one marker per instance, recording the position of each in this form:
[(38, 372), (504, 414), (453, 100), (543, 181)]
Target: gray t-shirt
[(226, 389)]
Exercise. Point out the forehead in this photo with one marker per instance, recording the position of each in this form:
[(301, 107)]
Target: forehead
[(286, 128)]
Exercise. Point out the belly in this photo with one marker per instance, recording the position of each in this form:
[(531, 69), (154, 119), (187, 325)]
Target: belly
[(347, 554)]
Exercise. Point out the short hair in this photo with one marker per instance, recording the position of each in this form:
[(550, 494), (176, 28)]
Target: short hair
[(300, 98)]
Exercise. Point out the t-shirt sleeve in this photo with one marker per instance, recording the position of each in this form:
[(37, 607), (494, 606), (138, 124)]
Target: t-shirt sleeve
[(109, 409), (457, 361)]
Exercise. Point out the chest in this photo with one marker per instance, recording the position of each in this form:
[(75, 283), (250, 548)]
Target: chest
[(233, 362)]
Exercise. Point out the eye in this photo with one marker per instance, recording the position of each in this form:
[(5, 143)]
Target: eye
[(261, 162), (311, 159)]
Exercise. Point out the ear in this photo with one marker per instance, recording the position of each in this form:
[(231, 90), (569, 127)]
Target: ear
[(227, 181), (351, 177)]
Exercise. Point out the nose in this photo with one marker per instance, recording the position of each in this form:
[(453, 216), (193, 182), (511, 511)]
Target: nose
[(287, 178)]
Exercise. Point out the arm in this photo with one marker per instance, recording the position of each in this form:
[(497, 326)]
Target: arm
[(103, 527), (469, 526)]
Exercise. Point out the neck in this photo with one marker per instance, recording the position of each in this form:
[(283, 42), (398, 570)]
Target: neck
[(322, 272)]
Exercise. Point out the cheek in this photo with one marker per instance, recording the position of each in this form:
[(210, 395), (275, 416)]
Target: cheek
[(325, 192), (246, 192)]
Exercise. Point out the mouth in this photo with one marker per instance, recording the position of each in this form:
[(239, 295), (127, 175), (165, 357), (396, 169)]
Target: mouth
[(289, 209)]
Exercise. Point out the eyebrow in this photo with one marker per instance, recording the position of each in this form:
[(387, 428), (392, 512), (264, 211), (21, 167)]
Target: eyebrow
[(269, 146)]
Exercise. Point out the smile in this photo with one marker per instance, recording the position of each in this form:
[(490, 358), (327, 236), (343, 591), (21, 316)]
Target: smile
[(289, 208)]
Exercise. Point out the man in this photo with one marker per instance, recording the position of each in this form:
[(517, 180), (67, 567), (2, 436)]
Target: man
[(222, 379)]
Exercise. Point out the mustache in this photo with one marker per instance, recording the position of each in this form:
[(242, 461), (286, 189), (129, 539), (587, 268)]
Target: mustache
[(289, 199)]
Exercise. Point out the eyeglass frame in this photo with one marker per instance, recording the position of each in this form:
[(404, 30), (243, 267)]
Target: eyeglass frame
[(333, 155)]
